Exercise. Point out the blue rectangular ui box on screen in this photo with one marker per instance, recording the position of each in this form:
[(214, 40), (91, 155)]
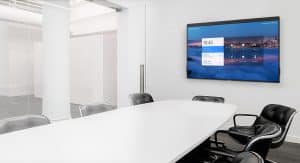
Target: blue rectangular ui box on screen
[(243, 50)]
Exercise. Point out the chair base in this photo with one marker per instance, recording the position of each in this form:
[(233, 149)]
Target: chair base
[(270, 161)]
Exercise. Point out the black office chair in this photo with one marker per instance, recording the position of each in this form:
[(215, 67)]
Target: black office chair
[(140, 98), (209, 99), (22, 122), (279, 114), (260, 143), (245, 157), (87, 110)]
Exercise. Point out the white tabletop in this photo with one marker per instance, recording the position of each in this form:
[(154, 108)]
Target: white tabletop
[(159, 132)]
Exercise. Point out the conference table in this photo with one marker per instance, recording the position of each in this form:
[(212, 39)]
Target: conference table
[(159, 132)]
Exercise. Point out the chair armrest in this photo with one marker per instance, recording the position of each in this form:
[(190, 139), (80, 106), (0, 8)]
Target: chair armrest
[(216, 137), (217, 143), (82, 110), (242, 115)]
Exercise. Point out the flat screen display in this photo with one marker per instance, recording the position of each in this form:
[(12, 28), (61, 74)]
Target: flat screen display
[(243, 50)]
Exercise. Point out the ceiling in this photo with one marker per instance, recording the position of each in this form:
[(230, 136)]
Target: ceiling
[(81, 9), (30, 11)]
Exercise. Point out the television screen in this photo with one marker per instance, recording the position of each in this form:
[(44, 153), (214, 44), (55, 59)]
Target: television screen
[(244, 50)]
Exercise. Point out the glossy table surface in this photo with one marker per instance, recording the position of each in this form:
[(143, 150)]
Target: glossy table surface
[(159, 132)]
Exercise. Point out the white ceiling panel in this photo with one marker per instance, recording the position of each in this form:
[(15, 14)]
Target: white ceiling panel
[(29, 11)]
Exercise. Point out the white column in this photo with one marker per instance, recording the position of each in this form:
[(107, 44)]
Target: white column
[(131, 50), (56, 60)]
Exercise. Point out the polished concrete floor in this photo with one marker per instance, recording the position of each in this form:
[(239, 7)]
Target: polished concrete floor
[(287, 153)]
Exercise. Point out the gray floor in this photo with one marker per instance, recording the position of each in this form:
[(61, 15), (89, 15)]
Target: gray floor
[(287, 153)]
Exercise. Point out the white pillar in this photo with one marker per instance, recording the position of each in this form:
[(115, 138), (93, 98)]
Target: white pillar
[(56, 60), (131, 50)]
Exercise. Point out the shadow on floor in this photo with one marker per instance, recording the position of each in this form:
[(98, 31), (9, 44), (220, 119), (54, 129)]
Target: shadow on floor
[(287, 153)]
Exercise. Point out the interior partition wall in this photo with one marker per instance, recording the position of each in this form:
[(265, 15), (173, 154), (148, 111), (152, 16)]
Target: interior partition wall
[(16, 69), (46, 68)]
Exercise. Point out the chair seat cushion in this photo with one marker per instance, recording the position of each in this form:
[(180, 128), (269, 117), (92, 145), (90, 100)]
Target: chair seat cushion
[(242, 134), (226, 152)]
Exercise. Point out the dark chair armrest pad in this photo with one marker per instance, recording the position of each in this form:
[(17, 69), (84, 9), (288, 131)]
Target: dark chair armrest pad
[(243, 115)]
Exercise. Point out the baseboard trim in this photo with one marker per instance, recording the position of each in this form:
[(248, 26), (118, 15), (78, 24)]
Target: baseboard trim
[(293, 139)]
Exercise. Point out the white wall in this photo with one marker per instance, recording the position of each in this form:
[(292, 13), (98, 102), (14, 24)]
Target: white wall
[(166, 59), (95, 42), (18, 40), (101, 23), (87, 69), (93, 69), (4, 59), (110, 68), (91, 80), (21, 41), (37, 69)]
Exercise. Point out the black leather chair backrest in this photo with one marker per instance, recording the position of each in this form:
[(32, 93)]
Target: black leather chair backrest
[(141, 98), (262, 141), (209, 99), (279, 114), (248, 157)]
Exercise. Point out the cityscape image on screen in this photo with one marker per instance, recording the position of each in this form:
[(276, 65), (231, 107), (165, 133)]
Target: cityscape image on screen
[(244, 50)]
